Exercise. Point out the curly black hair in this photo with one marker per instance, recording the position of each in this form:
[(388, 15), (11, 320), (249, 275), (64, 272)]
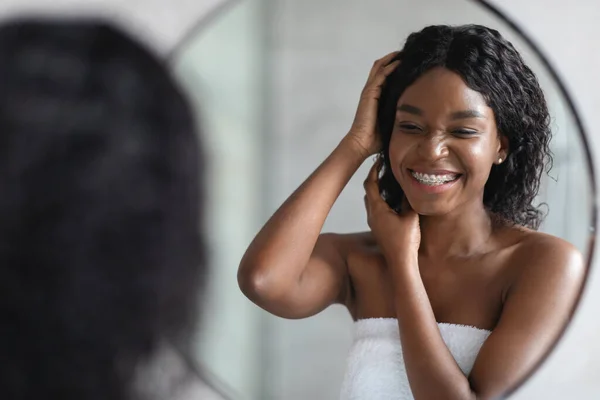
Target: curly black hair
[(101, 252), (490, 65)]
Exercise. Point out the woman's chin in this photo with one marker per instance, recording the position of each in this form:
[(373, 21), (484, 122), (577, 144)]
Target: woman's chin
[(430, 210)]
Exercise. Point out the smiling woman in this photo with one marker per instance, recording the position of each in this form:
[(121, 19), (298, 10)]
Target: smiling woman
[(452, 284), (425, 135), (474, 86), (459, 251)]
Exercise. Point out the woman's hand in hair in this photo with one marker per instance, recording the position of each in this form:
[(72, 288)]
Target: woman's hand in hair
[(363, 134)]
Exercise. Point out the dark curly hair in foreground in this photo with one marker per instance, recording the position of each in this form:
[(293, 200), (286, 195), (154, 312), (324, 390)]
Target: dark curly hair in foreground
[(100, 249), (490, 65)]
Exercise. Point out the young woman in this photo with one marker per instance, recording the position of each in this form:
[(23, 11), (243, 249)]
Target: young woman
[(454, 293), (103, 257)]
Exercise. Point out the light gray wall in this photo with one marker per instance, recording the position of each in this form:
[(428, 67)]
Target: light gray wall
[(162, 24)]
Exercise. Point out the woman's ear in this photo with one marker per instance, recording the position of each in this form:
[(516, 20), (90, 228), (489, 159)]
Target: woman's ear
[(502, 149)]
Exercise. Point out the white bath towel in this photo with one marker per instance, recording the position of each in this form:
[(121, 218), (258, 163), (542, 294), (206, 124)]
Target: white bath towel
[(375, 367)]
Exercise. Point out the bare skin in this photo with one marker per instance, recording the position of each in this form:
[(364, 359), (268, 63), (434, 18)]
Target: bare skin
[(443, 260)]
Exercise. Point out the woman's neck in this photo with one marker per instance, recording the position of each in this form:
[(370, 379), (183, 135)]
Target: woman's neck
[(456, 234)]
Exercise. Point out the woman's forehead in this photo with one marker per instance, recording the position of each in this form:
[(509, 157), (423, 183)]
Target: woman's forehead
[(443, 91)]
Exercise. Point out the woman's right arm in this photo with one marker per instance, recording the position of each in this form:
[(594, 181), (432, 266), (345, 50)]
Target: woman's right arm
[(290, 269)]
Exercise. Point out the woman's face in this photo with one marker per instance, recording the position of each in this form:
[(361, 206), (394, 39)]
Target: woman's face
[(443, 144)]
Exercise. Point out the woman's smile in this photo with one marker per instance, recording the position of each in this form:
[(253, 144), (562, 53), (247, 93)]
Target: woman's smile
[(433, 182)]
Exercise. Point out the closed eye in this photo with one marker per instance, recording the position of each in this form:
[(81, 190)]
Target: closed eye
[(464, 132), (409, 127)]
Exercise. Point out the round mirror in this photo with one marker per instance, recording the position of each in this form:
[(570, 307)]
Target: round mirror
[(277, 86)]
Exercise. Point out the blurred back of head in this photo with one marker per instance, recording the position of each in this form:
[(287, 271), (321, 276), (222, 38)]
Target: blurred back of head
[(101, 255)]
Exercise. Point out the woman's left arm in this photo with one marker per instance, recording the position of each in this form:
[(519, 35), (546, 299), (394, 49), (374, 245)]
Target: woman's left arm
[(536, 308)]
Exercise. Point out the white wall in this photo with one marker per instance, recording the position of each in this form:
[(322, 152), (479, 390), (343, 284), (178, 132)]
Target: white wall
[(161, 23)]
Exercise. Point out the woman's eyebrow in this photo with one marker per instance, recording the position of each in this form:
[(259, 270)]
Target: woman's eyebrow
[(464, 114)]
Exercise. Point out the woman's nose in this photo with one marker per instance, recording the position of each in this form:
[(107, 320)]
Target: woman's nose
[(432, 146)]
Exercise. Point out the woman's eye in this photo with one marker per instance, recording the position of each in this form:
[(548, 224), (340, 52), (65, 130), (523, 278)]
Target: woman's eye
[(409, 127), (464, 132)]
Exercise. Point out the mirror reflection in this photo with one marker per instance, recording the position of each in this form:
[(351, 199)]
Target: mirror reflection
[(405, 192)]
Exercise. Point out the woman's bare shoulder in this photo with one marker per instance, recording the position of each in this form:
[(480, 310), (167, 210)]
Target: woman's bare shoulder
[(534, 244), (527, 243), (547, 256)]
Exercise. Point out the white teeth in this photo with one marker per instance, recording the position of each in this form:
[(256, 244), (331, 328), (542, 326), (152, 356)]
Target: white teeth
[(433, 180)]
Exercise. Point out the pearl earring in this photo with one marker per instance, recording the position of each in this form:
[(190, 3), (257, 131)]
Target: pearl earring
[(500, 160)]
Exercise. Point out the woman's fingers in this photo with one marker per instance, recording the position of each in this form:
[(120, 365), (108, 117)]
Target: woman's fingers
[(373, 88), (381, 64)]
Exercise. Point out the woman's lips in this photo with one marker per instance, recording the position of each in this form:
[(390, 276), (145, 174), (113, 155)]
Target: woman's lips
[(433, 181)]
